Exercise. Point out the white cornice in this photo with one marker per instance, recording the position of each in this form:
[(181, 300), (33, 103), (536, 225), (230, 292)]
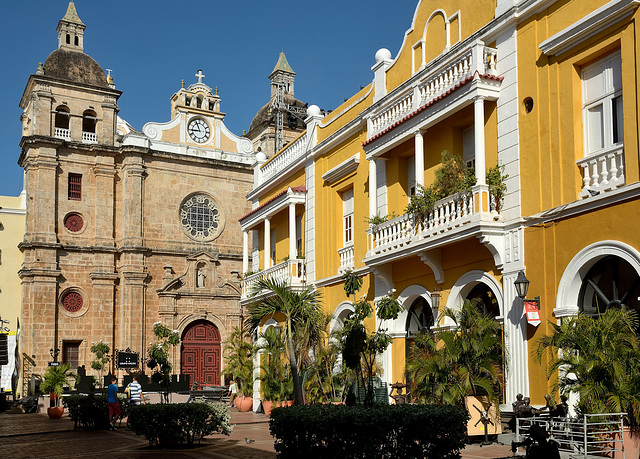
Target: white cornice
[(342, 169), (590, 204), (259, 214), (588, 26)]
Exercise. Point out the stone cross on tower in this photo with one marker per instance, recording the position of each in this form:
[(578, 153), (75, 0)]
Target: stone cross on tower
[(200, 75)]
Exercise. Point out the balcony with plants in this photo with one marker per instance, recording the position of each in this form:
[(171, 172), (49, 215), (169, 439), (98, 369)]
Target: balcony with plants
[(452, 208)]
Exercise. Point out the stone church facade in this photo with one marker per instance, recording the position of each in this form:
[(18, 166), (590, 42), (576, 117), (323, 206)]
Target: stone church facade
[(127, 228)]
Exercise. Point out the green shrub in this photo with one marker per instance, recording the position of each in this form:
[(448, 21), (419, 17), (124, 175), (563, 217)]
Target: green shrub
[(91, 411), (378, 431), (177, 424)]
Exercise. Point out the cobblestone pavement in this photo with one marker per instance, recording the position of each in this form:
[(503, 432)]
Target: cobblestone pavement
[(37, 436)]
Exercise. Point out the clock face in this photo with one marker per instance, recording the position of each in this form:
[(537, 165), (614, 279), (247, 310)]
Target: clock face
[(198, 130)]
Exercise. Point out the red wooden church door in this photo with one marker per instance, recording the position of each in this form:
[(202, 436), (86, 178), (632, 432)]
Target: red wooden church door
[(201, 353)]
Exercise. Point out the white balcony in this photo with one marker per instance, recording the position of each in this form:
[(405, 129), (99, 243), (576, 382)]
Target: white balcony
[(292, 272), (437, 82), (62, 133), (453, 218), (346, 259), (602, 172), (285, 157), (89, 137)]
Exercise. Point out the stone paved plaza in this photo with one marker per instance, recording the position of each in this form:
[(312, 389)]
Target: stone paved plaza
[(36, 436)]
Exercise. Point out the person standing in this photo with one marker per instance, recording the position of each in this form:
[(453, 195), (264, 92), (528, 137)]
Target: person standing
[(136, 397), (233, 392), (112, 403)]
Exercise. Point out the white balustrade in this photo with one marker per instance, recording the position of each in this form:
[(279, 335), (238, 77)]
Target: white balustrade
[(285, 157), (290, 271), (447, 214), (346, 259), (602, 172), (62, 133), (89, 137), (461, 65)]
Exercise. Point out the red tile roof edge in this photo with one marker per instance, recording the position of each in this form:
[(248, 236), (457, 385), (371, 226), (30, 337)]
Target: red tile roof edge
[(485, 76), (297, 189)]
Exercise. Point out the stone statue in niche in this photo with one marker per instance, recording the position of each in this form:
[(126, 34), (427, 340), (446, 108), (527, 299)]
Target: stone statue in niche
[(200, 277)]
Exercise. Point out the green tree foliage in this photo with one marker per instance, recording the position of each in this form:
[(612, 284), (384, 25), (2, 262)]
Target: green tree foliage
[(302, 320), (277, 384), (359, 348), (100, 350), (452, 176), (238, 354), (496, 179), (599, 359), (158, 355), (449, 365)]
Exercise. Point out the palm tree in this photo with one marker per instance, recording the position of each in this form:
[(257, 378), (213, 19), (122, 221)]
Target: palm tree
[(239, 362), (597, 357), (301, 311), (466, 360), (54, 380)]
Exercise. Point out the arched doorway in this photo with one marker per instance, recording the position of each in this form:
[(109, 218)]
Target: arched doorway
[(200, 353), (610, 283), (484, 299)]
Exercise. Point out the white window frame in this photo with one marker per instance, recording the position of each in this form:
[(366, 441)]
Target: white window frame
[(610, 94), (347, 217)]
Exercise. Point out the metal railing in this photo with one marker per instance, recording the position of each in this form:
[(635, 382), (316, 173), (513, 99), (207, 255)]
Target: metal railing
[(590, 435)]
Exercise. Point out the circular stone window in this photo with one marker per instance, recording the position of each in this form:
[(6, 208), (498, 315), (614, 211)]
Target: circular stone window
[(200, 217), (74, 222), (72, 302)]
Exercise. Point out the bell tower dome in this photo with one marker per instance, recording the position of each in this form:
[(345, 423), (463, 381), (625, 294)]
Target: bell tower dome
[(71, 30)]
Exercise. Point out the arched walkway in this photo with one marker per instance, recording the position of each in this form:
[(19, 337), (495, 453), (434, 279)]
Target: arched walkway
[(200, 352)]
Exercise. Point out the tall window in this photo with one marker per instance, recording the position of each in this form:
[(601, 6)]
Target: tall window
[(602, 104), (70, 351), (75, 187), (273, 248), (299, 235), (347, 217), (411, 177)]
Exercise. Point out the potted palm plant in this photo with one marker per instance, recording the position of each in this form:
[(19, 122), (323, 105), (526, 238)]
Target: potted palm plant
[(239, 359), (276, 383), (598, 359), (55, 378), (461, 365)]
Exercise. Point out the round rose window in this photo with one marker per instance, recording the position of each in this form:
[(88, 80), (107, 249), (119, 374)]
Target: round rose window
[(72, 302), (73, 222), (200, 217)]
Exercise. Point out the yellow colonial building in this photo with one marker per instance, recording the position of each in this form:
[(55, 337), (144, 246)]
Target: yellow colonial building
[(12, 222), (534, 87)]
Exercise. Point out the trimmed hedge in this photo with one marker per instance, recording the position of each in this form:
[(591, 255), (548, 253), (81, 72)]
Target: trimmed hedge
[(91, 411), (379, 431), (179, 424)]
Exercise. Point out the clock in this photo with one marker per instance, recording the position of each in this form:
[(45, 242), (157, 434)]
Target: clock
[(198, 130)]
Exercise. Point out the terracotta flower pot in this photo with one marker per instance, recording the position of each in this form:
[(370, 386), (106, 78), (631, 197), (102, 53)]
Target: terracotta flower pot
[(55, 412), (244, 404), (267, 406)]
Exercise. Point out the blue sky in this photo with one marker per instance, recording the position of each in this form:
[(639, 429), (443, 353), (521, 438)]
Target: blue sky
[(152, 45)]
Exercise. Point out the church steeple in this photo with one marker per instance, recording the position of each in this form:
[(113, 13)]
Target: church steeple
[(71, 30), (282, 77)]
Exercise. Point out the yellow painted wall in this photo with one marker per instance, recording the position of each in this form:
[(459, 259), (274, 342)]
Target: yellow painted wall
[(551, 136), (12, 220), (345, 112), (551, 247), (473, 15), (296, 179)]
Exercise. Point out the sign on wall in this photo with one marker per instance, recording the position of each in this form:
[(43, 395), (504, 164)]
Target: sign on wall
[(532, 310), (127, 360)]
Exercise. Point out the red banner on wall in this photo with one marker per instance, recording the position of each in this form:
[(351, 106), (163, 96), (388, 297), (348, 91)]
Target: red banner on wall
[(532, 309)]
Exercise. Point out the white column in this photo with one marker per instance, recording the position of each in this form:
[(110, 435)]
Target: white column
[(245, 252), (292, 232), (419, 154), (478, 132), (373, 188), (515, 337), (267, 243)]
